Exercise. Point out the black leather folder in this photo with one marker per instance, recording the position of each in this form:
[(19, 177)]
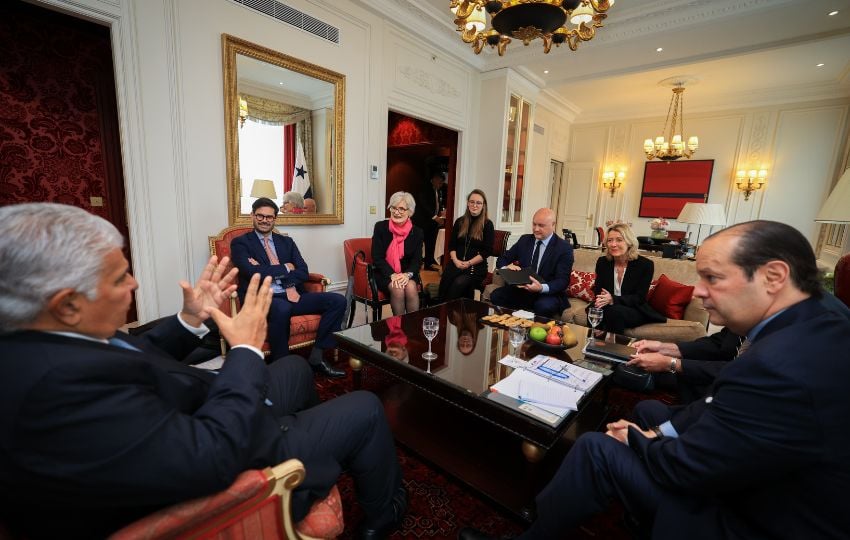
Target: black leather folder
[(519, 277)]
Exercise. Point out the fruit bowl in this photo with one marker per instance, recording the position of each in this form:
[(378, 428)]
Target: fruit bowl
[(547, 346)]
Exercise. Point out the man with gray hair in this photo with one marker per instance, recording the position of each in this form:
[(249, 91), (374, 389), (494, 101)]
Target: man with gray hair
[(98, 429)]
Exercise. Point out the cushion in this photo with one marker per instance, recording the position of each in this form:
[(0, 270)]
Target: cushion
[(670, 298), (581, 285)]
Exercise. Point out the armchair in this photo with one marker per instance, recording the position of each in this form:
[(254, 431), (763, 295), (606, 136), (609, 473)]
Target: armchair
[(500, 245), (302, 328), (358, 265), (256, 506)]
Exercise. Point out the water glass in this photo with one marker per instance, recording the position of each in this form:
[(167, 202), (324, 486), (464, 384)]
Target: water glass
[(516, 335), (430, 327), (594, 317)]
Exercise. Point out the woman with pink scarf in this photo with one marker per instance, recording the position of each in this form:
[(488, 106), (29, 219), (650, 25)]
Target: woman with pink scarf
[(397, 254)]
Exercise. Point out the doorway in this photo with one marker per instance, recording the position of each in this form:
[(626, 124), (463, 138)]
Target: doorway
[(416, 150), (63, 141)]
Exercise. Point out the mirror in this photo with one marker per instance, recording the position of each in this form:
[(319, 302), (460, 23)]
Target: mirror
[(282, 114)]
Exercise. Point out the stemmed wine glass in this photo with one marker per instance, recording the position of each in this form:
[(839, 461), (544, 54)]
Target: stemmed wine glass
[(516, 335), (594, 317), (430, 327)]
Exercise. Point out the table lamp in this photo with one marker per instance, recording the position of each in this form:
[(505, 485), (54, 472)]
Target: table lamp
[(702, 214), (263, 188)]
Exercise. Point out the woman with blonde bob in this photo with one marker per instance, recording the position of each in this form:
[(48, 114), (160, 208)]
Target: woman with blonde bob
[(397, 254), (622, 282)]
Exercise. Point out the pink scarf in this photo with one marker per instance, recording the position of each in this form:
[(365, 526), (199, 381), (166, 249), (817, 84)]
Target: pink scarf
[(396, 335), (395, 251)]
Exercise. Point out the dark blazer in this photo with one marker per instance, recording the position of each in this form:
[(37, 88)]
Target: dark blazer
[(426, 207), (554, 268), (138, 429), (249, 246), (635, 285), (466, 249), (410, 262), (703, 358), (768, 454)]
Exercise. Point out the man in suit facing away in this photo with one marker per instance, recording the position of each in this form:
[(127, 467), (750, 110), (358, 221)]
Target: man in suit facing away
[(263, 251), (98, 429), (429, 216), (767, 453), (550, 257)]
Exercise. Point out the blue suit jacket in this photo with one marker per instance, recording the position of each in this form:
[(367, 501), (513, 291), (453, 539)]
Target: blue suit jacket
[(249, 246), (768, 456), (554, 268), (95, 436)]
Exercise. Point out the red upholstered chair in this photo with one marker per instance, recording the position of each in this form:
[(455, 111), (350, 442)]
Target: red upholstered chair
[(600, 236), (358, 265), (500, 245), (302, 328), (256, 506), (842, 279)]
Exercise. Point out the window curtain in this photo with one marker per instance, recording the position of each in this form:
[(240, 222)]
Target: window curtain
[(275, 113)]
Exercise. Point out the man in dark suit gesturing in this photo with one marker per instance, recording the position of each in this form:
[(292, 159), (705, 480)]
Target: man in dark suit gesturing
[(550, 257), (263, 251), (98, 429), (767, 453)]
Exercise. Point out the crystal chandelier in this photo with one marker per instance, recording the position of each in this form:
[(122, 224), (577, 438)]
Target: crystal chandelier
[(676, 148), (527, 20)]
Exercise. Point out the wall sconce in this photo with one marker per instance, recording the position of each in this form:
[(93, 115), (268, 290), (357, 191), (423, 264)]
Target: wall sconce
[(613, 181), (243, 111), (751, 180)]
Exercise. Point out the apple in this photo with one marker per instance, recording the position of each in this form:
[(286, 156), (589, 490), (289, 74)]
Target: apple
[(537, 333), (553, 339)]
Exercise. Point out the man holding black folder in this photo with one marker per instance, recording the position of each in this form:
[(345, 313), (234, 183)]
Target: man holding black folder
[(544, 254)]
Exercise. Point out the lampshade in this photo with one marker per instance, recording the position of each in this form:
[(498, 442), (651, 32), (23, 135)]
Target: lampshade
[(702, 214), (263, 188), (836, 209)]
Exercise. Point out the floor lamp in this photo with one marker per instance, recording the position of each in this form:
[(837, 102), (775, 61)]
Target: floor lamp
[(836, 209), (702, 214)]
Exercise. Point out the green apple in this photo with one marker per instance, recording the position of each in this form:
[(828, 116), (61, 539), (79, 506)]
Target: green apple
[(537, 333)]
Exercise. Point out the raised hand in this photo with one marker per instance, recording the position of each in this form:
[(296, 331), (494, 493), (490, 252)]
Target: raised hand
[(248, 327), (213, 286)]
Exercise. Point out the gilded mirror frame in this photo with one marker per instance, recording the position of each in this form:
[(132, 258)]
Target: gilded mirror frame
[(233, 46)]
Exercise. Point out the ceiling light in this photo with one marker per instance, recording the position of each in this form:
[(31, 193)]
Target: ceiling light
[(831, 13), (527, 20), (659, 49), (820, 65), (546, 71), (673, 128)]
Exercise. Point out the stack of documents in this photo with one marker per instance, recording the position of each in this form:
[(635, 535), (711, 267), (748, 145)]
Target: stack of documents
[(547, 383)]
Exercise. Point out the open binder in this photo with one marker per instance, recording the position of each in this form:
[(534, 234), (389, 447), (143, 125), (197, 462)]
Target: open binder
[(547, 384)]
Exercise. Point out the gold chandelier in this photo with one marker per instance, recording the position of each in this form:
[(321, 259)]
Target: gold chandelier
[(527, 20), (673, 127)]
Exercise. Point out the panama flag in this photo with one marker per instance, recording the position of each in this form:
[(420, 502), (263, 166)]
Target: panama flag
[(301, 177)]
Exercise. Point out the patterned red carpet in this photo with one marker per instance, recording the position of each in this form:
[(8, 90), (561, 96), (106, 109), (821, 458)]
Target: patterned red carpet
[(439, 506)]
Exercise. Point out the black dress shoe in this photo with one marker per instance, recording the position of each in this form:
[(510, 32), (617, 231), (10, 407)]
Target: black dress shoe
[(325, 369), (473, 534), (399, 508)]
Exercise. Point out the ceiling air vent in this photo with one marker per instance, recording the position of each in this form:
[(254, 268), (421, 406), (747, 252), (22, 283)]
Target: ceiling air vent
[(292, 16)]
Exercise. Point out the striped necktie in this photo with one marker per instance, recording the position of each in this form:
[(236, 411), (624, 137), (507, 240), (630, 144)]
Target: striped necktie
[(742, 348), (535, 257), (269, 251)]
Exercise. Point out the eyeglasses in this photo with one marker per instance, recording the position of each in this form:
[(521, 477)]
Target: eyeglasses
[(264, 217), (475, 203), (398, 209)]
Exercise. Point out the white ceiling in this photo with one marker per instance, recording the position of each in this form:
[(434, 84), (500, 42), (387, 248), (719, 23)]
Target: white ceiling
[(742, 53)]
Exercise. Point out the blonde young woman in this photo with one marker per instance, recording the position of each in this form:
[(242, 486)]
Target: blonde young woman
[(397, 254), (622, 282), (470, 245)]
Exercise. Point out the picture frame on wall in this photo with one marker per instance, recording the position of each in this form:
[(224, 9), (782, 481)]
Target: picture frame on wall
[(668, 185)]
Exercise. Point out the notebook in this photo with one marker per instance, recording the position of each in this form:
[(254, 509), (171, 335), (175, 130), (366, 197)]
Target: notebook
[(612, 352), (519, 277)]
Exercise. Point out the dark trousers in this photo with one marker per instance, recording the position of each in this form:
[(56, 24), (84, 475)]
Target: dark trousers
[(349, 432), (617, 317), (430, 230), (330, 306), (512, 297), (456, 283), (597, 469)]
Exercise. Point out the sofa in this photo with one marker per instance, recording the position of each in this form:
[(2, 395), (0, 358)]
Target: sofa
[(694, 317)]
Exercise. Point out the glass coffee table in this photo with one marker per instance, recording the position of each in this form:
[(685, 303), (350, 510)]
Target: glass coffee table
[(444, 410)]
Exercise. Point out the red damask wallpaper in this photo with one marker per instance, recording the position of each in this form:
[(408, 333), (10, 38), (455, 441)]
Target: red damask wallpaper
[(58, 121)]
